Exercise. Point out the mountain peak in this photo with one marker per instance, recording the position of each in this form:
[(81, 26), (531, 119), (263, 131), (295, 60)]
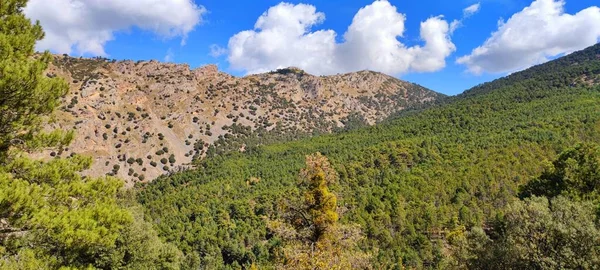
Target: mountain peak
[(149, 118)]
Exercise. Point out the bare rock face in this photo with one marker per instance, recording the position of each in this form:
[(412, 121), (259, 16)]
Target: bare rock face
[(206, 71), (139, 120)]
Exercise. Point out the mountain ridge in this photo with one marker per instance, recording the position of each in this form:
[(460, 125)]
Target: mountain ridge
[(139, 120), (549, 69)]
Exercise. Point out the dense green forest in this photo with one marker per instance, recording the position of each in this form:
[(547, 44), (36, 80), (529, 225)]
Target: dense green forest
[(426, 190), (504, 176)]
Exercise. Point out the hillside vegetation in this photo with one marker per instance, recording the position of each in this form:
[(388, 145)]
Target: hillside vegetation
[(50, 216), (504, 176), (140, 120), (425, 190)]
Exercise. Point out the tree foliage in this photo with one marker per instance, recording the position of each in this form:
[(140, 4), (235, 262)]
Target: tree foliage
[(50, 216), (25, 93), (47, 206), (559, 230), (538, 233), (320, 205), (575, 173), (312, 237), (415, 185)]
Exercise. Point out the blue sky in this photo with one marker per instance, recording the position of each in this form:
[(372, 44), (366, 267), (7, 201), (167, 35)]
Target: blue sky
[(223, 19)]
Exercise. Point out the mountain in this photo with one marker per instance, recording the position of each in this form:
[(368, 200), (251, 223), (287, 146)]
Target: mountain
[(575, 68), (287, 173), (139, 120), (420, 187)]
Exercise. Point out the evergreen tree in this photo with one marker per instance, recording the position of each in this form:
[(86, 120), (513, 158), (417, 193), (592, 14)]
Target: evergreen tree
[(320, 205), (312, 237), (575, 173), (25, 93), (537, 233), (557, 230), (50, 216)]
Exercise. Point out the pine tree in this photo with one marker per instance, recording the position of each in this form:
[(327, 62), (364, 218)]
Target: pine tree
[(25, 93), (312, 236), (320, 204), (50, 216), (575, 174)]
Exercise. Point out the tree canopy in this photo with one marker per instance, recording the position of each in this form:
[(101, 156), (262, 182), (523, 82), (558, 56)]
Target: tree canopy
[(50, 216), (505, 176), (415, 185), (26, 93)]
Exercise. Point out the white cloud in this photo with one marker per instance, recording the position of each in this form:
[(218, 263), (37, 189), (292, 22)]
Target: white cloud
[(532, 36), (217, 51), (467, 12), (471, 10), (84, 26), (282, 37)]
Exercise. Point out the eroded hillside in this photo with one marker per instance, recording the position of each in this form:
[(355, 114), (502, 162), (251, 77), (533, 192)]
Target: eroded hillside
[(143, 119)]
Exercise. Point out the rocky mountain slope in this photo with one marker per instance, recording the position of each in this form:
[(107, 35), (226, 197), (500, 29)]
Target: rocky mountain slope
[(139, 120)]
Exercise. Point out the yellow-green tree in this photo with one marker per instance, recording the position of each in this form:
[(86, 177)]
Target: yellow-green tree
[(310, 230), (320, 205)]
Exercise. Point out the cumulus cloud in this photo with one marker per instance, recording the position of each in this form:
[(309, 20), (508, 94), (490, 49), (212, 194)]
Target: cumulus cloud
[(283, 37), (540, 31), (84, 26)]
